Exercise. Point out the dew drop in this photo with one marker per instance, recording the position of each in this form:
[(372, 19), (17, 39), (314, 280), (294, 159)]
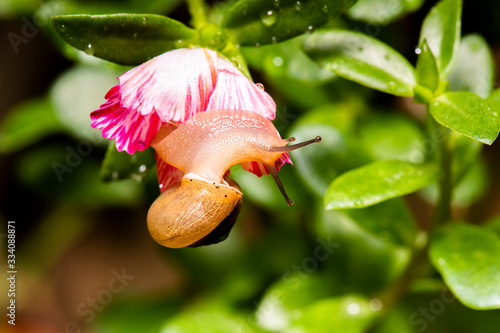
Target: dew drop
[(63, 27), (268, 17), (144, 21), (257, 44), (135, 34), (436, 103), (418, 50), (325, 9), (141, 145), (276, 3), (179, 41), (357, 202), (89, 50), (441, 261), (115, 175), (392, 85), (160, 186), (277, 61), (260, 86), (274, 39), (310, 28), (142, 168), (298, 6), (353, 309)]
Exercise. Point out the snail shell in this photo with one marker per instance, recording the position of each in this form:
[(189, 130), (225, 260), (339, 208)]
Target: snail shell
[(195, 213)]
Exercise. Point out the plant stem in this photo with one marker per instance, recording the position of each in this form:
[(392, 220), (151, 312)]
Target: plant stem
[(198, 11), (443, 207)]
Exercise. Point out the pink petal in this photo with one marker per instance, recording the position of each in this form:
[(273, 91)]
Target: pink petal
[(177, 84), (131, 130), (235, 91), (167, 174)]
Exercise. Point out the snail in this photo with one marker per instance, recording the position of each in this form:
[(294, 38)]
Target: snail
[(202, 208)]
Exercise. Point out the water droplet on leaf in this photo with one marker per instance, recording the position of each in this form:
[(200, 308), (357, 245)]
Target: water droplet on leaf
[(298, 6), (89, 50), (268, 17), (418, 50), (260, 86)]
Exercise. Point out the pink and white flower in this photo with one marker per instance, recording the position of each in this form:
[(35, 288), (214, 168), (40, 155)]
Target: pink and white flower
[(171, 88)]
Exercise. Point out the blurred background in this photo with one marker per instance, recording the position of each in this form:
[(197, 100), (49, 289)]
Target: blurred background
[(85, 260)]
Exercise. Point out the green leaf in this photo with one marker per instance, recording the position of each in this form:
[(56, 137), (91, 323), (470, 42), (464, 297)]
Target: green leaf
[(468, 114), (376, 182), (360, 250), (75, 94), (289, 295), (468, 259), (389, 136), (390, 221), (494, 99), (127, 39), (27, 123), (382, 12), (348, 314), (362, 59), (427, 71), (257, 22), (286, 61), (475, 69), (441, 29), (121, 165)]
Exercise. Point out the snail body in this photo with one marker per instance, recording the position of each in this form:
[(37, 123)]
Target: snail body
[(203, 206)]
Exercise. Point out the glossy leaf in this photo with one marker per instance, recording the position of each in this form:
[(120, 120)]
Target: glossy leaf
[(289, 295), (468, 114), (27, 123), (257, 22), (360, 250), (127, 39), (362, 59), (494, 99), (389, 221), (468, 259), (441, 29), (427, 71), (349, 314), (75, 94), (285, 61), (377, 182), (389, 136), (475, 69), (121, 165), (382, 11)]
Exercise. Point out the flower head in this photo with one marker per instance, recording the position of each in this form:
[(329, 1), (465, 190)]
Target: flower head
[(170, 89)]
